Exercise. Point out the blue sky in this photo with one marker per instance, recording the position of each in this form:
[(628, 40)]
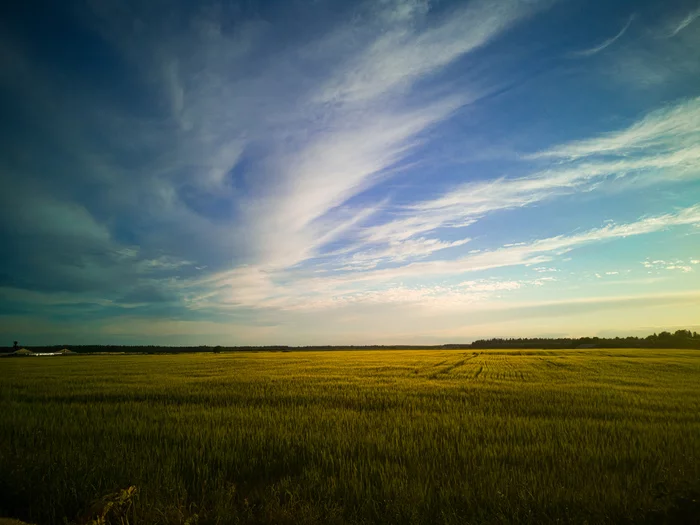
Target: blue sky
[(327, 172)]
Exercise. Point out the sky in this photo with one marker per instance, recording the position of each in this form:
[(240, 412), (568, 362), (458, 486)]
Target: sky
[(346, 172)]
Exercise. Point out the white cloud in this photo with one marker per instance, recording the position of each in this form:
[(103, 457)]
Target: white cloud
[(328, 137), (33, 297), (398, 251), (370, 125), (357, 124), (45, 215), (254, 287), (402, 55), (399, 11), (670, 130), (325, 174), (689, 19), (543, 280), (677, 267), (677, 264), (663, 146), (485, 285), (607, 43), (164, 262)]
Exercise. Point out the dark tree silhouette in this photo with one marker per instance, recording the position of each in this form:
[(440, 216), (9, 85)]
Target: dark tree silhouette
[(15, 346)]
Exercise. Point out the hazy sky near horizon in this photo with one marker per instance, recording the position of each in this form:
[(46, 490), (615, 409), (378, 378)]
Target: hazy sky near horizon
[(347, 172)]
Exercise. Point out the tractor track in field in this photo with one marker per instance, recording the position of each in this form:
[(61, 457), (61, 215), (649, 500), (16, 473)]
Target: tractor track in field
[(554, 364), (454, 366)]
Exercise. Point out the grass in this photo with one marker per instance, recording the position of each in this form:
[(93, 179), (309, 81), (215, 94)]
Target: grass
[(354, 437)]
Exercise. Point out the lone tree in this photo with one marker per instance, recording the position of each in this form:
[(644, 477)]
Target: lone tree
[(15, 347)]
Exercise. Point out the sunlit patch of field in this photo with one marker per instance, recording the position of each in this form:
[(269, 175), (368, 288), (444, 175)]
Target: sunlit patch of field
[(458, 436)]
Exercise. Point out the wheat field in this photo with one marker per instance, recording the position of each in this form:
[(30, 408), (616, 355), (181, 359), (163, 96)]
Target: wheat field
[(415, 436)]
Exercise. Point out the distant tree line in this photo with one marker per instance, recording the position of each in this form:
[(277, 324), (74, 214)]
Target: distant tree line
[(148, 349), (677, 339), (154, 349)]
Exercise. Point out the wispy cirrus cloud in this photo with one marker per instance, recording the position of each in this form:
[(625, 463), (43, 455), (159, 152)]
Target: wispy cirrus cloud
[(397, 251), (689, 19), (671, 129), (342, 124), (400, 57), (370, 120), (246, 158), (664, 56), (605, 44), (539, 250), (663, 146), (676, 264), (257, 288)]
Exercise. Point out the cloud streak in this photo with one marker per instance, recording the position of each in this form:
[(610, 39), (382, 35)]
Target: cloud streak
[(606, 44), (338, 132), (689, 19), (663, 146), (402, 56), (673, 128), (258, 289)]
